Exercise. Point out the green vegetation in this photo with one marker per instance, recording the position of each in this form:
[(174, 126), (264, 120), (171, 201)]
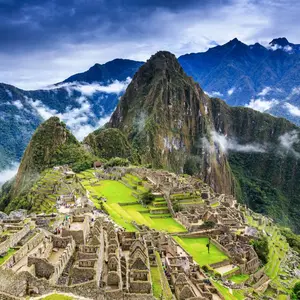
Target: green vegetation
[(166, 291), (109, 143), (261, 247), (156, 282), (278, 248), (57, 297), (52, 144), (296, 291), (237, 295), (125, 208), (196, 247), (239, 278), (9, 253), (292, 238), (147, 198), (117, 162)]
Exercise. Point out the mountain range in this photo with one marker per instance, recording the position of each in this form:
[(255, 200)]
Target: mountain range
[(166, 120), (263, 78)]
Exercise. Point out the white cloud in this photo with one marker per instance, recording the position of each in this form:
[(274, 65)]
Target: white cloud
[(214, 94), (115, 87), (264, 91), (292, 109), (295, 91), (231, 91), (288, 48), (77, 119), (84, 130), (18, 104), (288, 140), (9, 173), (44, 111), (9, 93), (227, 144), (261, 104)]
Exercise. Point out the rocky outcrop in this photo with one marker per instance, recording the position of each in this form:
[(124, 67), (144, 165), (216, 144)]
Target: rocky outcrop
[(165, 115)]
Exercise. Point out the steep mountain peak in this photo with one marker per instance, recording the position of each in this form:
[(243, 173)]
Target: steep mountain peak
[(162, 61), (282, 41), (51, 144), (234, 42)]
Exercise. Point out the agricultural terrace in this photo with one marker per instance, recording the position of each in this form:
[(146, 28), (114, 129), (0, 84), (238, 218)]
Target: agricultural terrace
[(278, 249), (123, 206), (196, 247)]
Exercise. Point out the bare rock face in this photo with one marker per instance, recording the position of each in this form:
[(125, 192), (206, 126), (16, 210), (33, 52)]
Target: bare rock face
[(166, 117)]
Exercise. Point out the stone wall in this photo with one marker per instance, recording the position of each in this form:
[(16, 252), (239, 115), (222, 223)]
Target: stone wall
[(80, 236), (220, 264), (80, 275), (144, 287), (43, 269), (14, 239), (62, 262), (220, 247), (30, 245)]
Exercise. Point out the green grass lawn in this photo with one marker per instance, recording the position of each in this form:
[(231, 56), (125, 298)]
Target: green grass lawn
[(156, 282), (116, 192), (58, 297), (239, 278), (197, 248)]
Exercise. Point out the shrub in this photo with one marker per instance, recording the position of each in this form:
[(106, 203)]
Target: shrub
[(261, 247), (209, 224), (296, 291), (117, 162), (292, 238), (147, 198)]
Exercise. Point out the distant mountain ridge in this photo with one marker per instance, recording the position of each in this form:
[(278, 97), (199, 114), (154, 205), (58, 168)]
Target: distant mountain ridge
[(264, 78), (117, 69)]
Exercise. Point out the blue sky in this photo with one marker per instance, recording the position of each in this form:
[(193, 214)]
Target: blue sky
[(43, 42)]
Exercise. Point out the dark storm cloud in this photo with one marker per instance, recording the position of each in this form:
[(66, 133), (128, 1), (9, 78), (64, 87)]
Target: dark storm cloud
[(46, 41), (38, 24)]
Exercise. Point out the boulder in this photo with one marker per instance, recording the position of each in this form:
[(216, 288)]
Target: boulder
[(3, 215), (18, 214)]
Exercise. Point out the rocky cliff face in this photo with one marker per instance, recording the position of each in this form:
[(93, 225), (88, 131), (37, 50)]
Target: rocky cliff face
[(166, 117), (173, 124), (268, 174)]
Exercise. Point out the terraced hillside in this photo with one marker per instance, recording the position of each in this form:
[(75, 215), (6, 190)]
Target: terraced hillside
[(121, 199)]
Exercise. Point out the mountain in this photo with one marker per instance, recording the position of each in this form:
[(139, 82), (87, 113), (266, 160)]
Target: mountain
[(108, 143), (82, 101), (263, 78), (117, 69), (240, 73), (283, 43), (173, 124), (52, 144)]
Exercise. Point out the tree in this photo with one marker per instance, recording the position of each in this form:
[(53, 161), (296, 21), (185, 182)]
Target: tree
[(147, 198), (261, 248), (296, 291)]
